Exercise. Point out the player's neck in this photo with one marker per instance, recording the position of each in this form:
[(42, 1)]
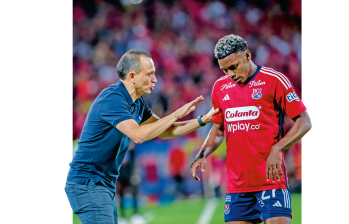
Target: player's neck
[(253, 69), (131, 90)]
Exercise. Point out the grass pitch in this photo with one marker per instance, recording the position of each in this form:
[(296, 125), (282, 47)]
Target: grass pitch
[(188, 212)]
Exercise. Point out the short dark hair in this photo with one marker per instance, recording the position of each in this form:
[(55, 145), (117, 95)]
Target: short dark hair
[(228, 45), (130, 62)]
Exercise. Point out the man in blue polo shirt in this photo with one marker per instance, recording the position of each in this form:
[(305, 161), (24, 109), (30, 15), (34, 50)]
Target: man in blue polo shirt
[(118, 115)]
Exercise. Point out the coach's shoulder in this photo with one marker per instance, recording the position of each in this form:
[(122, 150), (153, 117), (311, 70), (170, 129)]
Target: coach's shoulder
[(111, 93)]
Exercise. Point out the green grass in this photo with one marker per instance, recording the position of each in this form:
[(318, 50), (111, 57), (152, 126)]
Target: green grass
[(188, 212)]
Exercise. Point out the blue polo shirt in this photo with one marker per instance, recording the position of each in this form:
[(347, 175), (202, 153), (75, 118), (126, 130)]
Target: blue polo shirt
[(102, 147)]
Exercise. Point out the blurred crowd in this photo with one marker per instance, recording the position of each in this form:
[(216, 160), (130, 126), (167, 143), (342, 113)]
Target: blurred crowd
[(181, 35)]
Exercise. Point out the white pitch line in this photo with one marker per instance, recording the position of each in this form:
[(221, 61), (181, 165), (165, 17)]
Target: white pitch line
[(148, 217), (208, 211)]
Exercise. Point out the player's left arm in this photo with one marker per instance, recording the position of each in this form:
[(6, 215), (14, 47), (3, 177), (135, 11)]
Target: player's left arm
[(293, 106), (302, 124), (184, 127)]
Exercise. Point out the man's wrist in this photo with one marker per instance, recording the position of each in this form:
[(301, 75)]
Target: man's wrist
[(199, 119), (200, 155), (205, 119), (175, 115), (275, 149)]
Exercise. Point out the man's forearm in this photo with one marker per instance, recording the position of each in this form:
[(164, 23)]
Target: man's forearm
[(182, 128), (301, 126), (153, 126), (212, 142), (152, 130), (207, 149)]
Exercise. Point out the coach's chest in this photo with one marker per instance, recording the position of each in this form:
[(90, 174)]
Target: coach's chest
[(137, 112)]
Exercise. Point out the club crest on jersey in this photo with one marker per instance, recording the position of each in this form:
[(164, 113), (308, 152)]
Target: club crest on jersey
[(226, 209), (257, 94), (292, 96)]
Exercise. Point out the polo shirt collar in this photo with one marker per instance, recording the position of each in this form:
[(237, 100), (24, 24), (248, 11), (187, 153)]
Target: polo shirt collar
[(125, 92)]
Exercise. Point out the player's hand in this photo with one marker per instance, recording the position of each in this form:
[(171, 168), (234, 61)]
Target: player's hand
[(187, 108), (208, 117), (199, 162), (274, 165)]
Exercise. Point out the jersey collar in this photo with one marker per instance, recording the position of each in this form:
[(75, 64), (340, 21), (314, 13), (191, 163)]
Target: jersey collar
[(125, 92), (254, 75)]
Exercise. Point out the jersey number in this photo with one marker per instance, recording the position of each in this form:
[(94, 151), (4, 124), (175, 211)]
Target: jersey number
[(267, 197)]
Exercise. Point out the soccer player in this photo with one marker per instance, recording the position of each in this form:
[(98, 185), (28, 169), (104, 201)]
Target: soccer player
[(253, 100), (118, 115)]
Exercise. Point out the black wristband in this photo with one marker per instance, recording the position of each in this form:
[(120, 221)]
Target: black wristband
[(200, 121)]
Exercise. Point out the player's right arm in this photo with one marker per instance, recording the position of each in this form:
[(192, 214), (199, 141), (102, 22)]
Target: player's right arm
[(212, 142), (214, 138), (141, 133)]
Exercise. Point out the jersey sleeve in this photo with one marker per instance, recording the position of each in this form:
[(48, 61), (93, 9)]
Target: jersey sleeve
[(219, 117), (114, 109), (287, 98), (147, 112)]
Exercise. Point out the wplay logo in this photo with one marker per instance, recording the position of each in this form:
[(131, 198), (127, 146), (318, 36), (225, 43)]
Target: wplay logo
[(292, 96)]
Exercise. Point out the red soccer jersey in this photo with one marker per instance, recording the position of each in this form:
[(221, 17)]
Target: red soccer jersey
[(253, 117)]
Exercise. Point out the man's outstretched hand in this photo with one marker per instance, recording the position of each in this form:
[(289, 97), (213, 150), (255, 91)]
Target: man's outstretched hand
[(199, 162), (208, 117), (187, 108)]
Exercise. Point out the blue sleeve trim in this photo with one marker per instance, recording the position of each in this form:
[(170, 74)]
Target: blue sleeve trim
[(285, 174), (281, 123)]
